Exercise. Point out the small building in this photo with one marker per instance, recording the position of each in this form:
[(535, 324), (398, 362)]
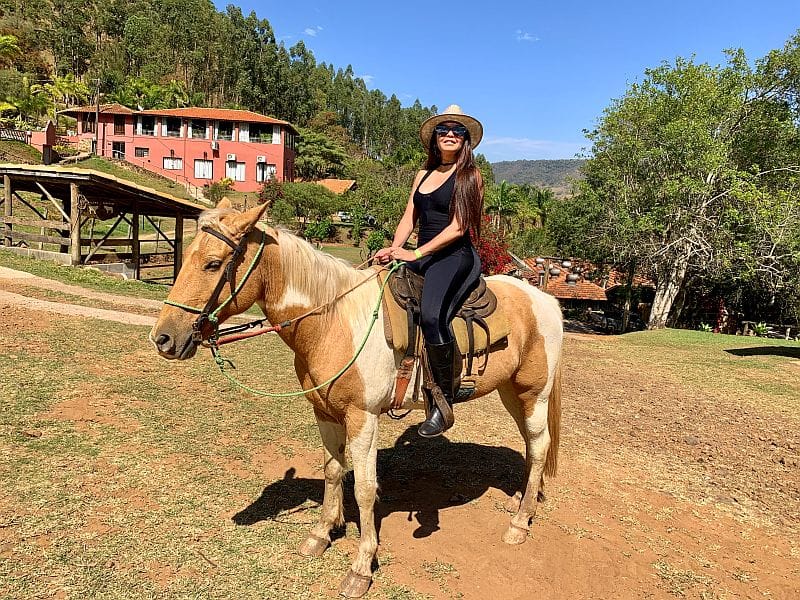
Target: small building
[(194, 146)]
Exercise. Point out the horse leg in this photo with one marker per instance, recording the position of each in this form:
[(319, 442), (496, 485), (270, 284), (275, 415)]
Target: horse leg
[(363, 440), (333, 443), (537, 442)]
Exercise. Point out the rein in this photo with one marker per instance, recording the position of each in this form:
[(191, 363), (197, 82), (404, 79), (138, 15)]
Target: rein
[(239, 332)]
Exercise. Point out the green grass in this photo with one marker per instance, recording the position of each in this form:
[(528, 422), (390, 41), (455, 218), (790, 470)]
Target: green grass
[(87, 278), (351, 254), (13, 151)]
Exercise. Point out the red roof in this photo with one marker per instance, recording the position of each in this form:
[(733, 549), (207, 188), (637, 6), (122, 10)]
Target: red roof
[(109, 109), (557, 284), (194, 112)]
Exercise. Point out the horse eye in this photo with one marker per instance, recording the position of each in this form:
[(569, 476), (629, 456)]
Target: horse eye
[(213, 265)]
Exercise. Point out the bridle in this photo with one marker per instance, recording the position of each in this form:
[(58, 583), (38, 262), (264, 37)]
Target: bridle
[(208, 314)]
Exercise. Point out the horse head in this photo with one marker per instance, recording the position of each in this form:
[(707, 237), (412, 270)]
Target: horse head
[(224, 252)]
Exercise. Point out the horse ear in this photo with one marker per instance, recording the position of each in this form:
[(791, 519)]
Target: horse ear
[(247, 220), (224, 203)]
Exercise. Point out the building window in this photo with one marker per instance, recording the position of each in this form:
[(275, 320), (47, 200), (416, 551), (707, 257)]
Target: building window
[(119, 124), (88, 123), (265, 172), (118, 150), (234, 170), (223, 130), (172, 163), (290, 140), (261, 133), (170, 127), (145, 125), (141, 152), (203, 169), (197, 129)]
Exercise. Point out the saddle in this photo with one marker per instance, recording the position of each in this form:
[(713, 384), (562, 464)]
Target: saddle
[(478, 326)]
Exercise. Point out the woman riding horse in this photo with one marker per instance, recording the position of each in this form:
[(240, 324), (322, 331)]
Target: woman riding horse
[(447, 201)]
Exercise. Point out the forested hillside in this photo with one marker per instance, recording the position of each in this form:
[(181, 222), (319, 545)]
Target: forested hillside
[(544, 173), (173, 53)]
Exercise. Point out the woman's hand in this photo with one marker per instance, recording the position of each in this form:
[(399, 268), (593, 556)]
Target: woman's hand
[(386, 255), (403, 254)]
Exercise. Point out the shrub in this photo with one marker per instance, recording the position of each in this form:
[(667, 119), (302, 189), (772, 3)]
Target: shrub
[(375, 241), (321, 230)]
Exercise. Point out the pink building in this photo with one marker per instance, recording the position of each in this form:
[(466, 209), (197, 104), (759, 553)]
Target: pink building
[(192, 145)]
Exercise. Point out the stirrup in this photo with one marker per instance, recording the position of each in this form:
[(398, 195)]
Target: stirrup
[(465, 391)]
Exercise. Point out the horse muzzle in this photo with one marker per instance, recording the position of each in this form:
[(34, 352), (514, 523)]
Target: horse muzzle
[(171, 348)]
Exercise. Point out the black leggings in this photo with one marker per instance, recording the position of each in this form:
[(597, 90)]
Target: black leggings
[(449, 279)]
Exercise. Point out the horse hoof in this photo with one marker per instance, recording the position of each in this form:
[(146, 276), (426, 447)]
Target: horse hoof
[(512, 504), (354, 585), (515, 535), (314, 546)]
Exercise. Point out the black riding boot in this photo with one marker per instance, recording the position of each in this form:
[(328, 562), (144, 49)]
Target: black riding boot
[(441, 361)]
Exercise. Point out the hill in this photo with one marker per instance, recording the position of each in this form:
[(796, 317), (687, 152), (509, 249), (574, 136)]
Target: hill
[(19, 153), (543, 173)]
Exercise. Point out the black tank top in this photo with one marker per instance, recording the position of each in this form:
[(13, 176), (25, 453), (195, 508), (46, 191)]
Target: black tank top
[(433, 210)]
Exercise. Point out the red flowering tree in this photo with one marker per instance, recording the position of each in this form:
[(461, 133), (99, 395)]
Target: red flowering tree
[(492, 248)]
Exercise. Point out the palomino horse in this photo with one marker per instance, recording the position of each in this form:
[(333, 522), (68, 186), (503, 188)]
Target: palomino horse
[(287, 277)]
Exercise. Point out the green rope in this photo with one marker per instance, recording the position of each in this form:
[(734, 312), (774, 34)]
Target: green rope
[(212, 317), (220, 360)]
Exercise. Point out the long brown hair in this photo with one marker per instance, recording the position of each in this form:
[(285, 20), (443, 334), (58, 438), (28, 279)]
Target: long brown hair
[(467, 202)]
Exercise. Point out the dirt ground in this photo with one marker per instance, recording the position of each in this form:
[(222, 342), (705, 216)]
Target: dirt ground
[(660, 493)]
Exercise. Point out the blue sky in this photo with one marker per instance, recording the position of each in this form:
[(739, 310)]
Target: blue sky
[(535, 73)]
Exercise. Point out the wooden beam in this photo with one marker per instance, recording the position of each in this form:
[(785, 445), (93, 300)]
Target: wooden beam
[(158, 231), (35, 237), (7, 208), (135, 248), (108, 241), (55, 202), (29, 205), (177, 247), (105, 237), (75, 224), (60, 225)]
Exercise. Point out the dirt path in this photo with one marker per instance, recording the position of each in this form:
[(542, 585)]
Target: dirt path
[(660, 494)]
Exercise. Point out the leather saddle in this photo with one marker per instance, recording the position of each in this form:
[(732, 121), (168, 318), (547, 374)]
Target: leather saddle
[(478, 325)]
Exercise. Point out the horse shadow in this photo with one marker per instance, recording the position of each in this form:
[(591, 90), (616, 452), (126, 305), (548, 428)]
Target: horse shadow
[(417, 476), (790, 351)]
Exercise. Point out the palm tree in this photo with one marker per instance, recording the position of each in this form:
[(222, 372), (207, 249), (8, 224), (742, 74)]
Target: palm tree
[(502, 203)]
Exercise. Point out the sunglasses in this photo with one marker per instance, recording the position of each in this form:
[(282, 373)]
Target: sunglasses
[(443, 130)]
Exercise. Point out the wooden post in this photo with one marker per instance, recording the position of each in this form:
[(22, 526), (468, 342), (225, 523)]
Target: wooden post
[(7, 208), (135, 244), (74, 225), (178, 249)]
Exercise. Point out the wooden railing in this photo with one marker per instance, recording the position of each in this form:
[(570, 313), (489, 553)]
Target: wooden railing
[(18, 135)]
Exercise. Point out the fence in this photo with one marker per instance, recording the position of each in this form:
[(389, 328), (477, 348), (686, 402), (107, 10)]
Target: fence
[(18, 135)]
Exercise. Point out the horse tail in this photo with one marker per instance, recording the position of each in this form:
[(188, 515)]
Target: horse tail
[(554, 422)]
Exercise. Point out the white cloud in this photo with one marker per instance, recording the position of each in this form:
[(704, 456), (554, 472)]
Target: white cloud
[(367, 78), (524, 36), (312, 31), (509, 148)]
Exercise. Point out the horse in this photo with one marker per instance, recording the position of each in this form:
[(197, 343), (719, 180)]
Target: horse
[(330, 304)]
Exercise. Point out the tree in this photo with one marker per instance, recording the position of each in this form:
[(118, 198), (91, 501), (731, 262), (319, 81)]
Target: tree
[(318, 156), (9, 49), (672, 176)]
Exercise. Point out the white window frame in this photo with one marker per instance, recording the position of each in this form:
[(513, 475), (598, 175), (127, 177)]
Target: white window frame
[(235, 170), (266, 172), (172, 163), (205, 170)]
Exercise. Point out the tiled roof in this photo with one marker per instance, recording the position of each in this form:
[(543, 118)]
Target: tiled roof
[(616, 278), (194, 112), (221, 114), (110, 109), (337, 186), (557, 284)]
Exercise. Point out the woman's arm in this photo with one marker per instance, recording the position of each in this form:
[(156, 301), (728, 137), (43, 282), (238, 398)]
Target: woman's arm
[(404, 227)]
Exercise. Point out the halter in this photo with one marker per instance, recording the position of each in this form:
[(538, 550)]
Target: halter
[(206, 314)]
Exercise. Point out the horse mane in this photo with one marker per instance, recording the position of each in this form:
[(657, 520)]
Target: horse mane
[(319, 277), (310, 275)]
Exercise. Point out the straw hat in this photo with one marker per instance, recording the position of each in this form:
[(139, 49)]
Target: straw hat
[(452, 113)]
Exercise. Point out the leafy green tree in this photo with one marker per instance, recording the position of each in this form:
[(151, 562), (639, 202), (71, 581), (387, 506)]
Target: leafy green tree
[(667, 169), (9, 49), (318, 156)]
